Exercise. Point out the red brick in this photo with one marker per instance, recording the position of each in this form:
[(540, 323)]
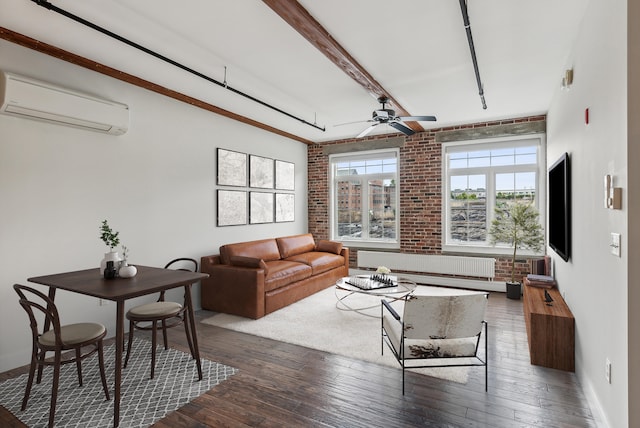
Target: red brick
[(420, 194)]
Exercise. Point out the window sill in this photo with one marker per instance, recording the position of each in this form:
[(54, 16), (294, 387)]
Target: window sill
[(369, 244), (487, 251)]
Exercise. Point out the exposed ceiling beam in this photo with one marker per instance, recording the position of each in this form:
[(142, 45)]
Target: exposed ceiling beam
[(305, 24), (72, 58)]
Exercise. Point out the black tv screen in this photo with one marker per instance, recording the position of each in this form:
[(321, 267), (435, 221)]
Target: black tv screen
[(559, 207)]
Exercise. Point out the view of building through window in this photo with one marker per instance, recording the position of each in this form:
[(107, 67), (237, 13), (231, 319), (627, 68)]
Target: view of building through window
[(365, 197), (480, 176)]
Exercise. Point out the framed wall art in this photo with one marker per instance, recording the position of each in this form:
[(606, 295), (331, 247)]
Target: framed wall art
[(232, 207), (285, 175), (260, 207), (232, 168), (260, 172), (285, 207)]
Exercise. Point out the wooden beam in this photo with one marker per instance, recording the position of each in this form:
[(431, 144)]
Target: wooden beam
[(305, 24), (72, 58)]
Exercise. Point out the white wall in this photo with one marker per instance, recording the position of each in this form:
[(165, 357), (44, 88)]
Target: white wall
[(594, 281), (155, 185)]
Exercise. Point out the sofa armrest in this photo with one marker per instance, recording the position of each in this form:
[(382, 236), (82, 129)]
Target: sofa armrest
[(345, 253), (232, 289), (207, 261)]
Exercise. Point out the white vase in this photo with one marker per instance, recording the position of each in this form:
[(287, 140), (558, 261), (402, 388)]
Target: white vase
[(112, 256), (127, 271)]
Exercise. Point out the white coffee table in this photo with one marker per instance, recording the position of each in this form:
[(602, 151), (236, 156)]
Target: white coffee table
[(344, 289)]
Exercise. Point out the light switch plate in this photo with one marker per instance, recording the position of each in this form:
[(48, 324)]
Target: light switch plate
[(615, 244)]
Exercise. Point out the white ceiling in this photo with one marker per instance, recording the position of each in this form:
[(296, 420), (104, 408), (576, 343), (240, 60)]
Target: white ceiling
[(416, 49)]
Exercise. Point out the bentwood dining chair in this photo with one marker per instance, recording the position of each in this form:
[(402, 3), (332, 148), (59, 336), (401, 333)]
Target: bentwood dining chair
[(40, 307), (166, 313)]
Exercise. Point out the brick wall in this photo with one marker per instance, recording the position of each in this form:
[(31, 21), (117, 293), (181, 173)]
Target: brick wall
[(420, 193)]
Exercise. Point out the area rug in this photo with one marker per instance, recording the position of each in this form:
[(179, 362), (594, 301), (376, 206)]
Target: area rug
[(144, 401), (315, 322)]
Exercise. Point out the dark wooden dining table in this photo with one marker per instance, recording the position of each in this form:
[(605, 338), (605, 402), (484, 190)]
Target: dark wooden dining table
[(148, 280)]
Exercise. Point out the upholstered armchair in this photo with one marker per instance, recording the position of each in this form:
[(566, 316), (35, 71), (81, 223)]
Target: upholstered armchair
[(437, 331)]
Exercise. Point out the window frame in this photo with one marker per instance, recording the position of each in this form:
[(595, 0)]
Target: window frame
[(333, 178), (539, 140)]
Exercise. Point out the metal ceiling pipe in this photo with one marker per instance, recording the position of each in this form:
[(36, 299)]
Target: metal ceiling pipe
[(113, 35), (467, 27)]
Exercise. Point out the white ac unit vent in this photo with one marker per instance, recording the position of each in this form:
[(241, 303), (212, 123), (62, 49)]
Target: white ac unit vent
[(33, 99)]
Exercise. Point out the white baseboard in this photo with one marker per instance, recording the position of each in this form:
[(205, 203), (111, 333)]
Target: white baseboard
[(594, 404)]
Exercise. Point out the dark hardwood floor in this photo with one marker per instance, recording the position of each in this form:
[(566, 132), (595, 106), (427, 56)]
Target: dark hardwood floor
[(284, 385)]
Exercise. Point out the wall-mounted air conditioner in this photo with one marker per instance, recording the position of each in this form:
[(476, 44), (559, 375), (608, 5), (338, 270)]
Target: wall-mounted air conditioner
[(33, 99)]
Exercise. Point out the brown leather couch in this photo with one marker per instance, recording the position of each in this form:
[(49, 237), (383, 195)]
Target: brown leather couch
[(252, 279)]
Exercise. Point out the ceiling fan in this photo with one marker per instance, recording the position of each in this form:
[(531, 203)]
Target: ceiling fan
[(388, 116)]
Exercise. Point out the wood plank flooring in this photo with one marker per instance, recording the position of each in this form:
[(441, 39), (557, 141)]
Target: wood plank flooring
[(284, 385)]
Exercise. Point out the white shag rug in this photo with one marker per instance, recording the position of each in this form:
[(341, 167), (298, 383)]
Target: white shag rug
[(315, 322)]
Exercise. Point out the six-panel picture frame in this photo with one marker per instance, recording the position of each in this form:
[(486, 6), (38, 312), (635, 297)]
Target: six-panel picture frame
[(238, 174)]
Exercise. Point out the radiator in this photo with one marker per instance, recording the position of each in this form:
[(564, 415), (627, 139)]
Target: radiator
[(481, 267)]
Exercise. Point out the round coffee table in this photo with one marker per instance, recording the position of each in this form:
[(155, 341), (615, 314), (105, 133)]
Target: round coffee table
[(345, 289)]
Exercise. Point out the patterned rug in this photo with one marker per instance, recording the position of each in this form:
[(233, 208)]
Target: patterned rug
[(144, 401)]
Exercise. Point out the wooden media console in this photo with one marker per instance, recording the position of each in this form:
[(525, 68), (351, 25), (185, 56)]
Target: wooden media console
[(550, 329)]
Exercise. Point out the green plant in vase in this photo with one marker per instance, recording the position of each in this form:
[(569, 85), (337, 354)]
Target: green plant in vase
[(108, 236), (111, 240)]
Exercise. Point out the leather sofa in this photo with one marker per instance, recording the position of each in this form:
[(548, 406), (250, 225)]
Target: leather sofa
[(252, 279)]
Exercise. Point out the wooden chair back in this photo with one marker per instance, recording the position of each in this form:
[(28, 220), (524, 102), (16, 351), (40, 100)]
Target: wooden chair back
[(39, 306)]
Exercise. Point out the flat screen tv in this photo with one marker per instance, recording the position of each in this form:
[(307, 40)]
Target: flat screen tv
[(559, 207)]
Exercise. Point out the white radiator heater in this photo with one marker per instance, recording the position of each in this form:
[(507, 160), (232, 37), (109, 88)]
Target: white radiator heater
[(482, 268)]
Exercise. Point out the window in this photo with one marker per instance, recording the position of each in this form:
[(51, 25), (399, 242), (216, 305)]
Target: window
[(364, 198), (481, 176)]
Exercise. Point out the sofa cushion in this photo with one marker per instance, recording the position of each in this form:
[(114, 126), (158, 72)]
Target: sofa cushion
[(318, 261), (283, 272), (329, 246), (265, 249), (297, 244), (250, 262)]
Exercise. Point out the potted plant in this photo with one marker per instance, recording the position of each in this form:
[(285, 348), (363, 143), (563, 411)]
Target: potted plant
[(518, 226), (111, 240)]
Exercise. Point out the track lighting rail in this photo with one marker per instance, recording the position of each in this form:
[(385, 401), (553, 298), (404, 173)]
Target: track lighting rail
[(52, 7), (467, 27)]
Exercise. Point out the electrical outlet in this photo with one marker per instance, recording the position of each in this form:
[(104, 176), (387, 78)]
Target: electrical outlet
[(103, 302), (607, 370)]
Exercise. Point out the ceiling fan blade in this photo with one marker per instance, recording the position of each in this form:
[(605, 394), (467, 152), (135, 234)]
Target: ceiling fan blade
[(402, 128), (351, 123), (418, 118), (366, 131)]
